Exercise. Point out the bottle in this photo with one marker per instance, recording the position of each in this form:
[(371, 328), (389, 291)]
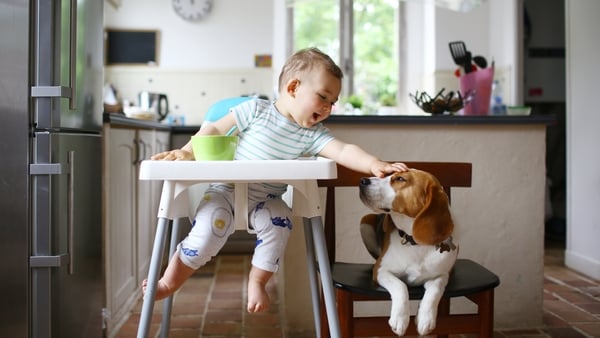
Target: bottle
[(497, 106)]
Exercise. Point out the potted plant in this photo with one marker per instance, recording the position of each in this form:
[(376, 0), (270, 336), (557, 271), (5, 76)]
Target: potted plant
[(353, 105), (387, 103)]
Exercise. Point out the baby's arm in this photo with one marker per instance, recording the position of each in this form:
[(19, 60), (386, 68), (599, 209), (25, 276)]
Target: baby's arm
[(355, 158), (218, 127)]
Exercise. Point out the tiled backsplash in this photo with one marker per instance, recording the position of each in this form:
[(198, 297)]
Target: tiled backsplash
[(190, 91)]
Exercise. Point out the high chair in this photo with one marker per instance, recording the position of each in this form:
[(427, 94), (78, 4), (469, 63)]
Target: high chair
[(353, 281)]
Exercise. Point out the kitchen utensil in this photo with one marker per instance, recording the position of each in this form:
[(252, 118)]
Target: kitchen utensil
[(457, 71), (480, 61), (231, 131), (458, 50), (468, 65)]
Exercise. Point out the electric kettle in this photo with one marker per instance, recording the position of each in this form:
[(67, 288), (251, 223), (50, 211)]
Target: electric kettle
[(154, 102)]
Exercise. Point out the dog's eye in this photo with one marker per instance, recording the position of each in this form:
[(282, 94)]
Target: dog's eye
[(398, 179)]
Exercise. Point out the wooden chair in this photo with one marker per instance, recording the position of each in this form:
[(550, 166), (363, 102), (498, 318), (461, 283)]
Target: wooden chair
[(353, 282)]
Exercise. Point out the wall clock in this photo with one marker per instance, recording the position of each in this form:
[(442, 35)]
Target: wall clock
[(192, 10)]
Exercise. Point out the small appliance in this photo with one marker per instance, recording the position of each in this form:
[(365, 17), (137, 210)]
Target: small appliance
[(154, 102)]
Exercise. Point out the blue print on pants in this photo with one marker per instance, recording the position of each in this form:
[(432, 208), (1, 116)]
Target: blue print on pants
[(282, 222), (189, 252)]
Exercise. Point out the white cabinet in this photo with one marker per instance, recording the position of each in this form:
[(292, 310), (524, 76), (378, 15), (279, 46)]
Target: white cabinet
[(148, 192), (146, 223), (130, 207)]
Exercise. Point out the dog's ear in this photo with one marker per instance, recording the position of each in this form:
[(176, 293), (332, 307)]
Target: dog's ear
[(371, 233), (433, 224)]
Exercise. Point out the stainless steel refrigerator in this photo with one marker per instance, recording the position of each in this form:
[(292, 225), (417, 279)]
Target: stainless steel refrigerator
[(51, 78)]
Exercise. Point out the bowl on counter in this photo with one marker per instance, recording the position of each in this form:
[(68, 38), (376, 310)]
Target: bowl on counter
[(135, 112), (518, 110)]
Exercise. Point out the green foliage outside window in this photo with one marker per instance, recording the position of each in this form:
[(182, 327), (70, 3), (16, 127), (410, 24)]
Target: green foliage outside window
[(375, 43)]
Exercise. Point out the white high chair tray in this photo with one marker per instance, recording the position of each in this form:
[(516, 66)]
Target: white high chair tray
[(239, 171)]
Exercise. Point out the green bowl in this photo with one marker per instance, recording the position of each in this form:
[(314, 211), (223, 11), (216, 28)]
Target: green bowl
[(518, 110), (214, 147)]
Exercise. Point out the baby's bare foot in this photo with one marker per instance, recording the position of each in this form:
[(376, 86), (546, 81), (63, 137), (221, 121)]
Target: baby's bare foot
[(162, 289), (258, 299)]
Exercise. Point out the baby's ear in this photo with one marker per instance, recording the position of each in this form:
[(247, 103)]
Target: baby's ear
[(292, 86)]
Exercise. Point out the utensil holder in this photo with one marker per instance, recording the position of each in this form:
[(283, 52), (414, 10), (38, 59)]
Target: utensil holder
[(476, 89)]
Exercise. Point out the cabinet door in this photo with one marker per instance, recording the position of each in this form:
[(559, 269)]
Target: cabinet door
[(146, 213), (121, 178)]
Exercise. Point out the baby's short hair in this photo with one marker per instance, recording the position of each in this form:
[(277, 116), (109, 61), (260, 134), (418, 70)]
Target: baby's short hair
[(305, 60)]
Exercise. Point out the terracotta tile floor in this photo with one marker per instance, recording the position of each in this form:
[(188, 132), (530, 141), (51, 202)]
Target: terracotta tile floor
[(213, 303)]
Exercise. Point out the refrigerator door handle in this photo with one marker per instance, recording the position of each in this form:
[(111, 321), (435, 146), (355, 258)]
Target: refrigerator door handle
[(73, 56), (59, 169), (69, 91), (52, 91), (71, 211), (48, 261), (48, 169)]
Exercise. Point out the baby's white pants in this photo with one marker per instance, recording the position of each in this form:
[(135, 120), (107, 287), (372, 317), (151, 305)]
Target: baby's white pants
[(269, 216)]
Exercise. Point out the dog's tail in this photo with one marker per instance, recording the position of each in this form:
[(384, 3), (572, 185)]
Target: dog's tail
[(371, 231)]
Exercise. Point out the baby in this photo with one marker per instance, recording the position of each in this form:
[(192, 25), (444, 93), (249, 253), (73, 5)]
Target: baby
[(309, 86)]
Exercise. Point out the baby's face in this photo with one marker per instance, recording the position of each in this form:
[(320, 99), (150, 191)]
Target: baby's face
[(315, 96)]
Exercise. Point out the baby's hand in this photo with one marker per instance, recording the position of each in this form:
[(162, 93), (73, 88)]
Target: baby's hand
[(381, 169), (174, 155)]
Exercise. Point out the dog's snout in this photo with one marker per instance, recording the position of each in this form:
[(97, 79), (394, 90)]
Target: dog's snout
[(365, 181)]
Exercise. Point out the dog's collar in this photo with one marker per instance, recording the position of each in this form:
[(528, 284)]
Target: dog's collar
[(446, 245), (406, 238)]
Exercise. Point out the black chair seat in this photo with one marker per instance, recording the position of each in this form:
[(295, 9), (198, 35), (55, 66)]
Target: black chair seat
[(466, 278)]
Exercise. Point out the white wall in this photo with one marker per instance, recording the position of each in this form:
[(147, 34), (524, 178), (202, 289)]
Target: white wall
[(583, 139), (228, 38), (200, 62)]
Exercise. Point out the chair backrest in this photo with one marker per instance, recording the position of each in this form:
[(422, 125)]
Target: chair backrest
[(222, 107), (450, 174)]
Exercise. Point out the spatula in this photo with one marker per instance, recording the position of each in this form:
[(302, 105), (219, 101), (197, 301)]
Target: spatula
[(459, 52)]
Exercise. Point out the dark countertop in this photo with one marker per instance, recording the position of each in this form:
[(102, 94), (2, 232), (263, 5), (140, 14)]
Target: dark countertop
[(121, 120), (440, 119)]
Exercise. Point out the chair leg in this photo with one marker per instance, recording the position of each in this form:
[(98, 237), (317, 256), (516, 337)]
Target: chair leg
[(486, 313), (443, 311), (345, 310), (324, 322)]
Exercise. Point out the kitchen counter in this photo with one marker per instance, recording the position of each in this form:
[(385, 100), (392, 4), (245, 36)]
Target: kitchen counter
[(418, 119), (440, 119), (120, 119)]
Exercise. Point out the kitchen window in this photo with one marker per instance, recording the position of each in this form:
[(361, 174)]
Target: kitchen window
[(363, 37)]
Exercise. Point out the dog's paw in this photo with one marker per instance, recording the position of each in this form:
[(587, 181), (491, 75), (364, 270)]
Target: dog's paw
[(398, 325), (425, 322), (399, 322)]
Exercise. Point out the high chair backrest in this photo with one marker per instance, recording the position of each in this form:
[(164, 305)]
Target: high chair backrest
[(450, 174)]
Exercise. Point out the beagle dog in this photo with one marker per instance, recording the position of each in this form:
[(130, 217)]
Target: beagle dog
[(411, 239)]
